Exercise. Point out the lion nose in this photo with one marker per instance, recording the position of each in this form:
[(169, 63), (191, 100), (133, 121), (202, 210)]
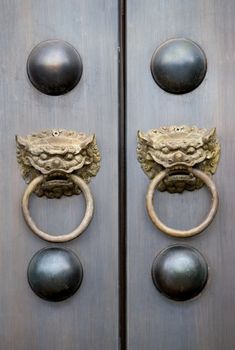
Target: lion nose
[(178, 156), (56, 163)]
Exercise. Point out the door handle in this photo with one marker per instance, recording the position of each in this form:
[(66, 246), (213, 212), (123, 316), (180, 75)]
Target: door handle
[(58, 163), (178, 158)]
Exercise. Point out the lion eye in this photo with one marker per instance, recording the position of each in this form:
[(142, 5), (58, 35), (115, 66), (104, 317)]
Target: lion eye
[(191, 150), (165, 150), (69, 156), (43, 156)]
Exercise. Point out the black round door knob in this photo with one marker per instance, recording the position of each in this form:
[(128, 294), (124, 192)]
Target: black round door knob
[(180, 272), (179, 66), (54, 67), (55, 274)]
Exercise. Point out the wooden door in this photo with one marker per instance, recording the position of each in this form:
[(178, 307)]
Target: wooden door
[(153, 321), (116, 308), (89, 319)]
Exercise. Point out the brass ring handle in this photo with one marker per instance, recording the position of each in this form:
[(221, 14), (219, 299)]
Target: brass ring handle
[(182, 233), (66, 237)]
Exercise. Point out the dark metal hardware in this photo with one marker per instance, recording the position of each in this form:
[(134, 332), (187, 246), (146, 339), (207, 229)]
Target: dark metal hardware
[(179, 66), (54, 67), (180, 272), (55, 274)]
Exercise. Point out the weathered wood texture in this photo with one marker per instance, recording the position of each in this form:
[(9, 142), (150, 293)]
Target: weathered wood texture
[(89, 320), (154, 322)]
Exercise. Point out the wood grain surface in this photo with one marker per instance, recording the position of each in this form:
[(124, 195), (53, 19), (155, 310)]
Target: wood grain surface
[(89, 320), (207, 322)]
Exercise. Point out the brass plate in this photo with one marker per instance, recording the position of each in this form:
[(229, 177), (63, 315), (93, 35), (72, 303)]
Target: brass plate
[(56, 154), (178, 148)]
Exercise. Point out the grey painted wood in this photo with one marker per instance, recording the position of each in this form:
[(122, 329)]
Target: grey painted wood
[(154, 322), (89, 320)]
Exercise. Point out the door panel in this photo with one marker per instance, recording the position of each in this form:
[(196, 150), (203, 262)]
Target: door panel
[(153, 321), (88, 320)]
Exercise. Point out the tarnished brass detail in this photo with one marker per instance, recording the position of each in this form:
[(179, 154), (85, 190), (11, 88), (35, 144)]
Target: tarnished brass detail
[(178, 158), (192, 231), (178, 148), (56, 154), (56, 163), (53, 237)]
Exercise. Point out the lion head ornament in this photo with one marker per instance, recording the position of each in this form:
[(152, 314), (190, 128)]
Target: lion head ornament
[(178, 148), (56, 154)]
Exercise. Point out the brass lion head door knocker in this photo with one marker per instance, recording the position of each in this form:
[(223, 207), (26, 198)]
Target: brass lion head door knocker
[(178, 158), (58, 163)]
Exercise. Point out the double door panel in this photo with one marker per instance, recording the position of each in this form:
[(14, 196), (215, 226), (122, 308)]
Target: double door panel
[(91, 318)]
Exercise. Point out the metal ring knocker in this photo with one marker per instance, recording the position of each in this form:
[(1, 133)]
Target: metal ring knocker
[(66, 237), (182, 233), (57, 163), (168, 156)]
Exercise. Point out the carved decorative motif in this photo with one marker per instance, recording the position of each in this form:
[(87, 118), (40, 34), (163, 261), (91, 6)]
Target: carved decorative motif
[(56, 154), (178, 148)]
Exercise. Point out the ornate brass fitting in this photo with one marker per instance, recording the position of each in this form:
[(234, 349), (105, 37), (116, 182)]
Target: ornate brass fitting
[(56, 154), (178, 158), (178, 149), (56, 163)]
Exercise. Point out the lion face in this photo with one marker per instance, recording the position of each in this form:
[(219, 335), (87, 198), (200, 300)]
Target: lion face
[(56, 154), (178, 148)]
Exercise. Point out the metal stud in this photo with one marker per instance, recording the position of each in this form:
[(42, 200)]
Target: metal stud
[(55, 274), (179, 66), (54, 67), (180, 272)]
